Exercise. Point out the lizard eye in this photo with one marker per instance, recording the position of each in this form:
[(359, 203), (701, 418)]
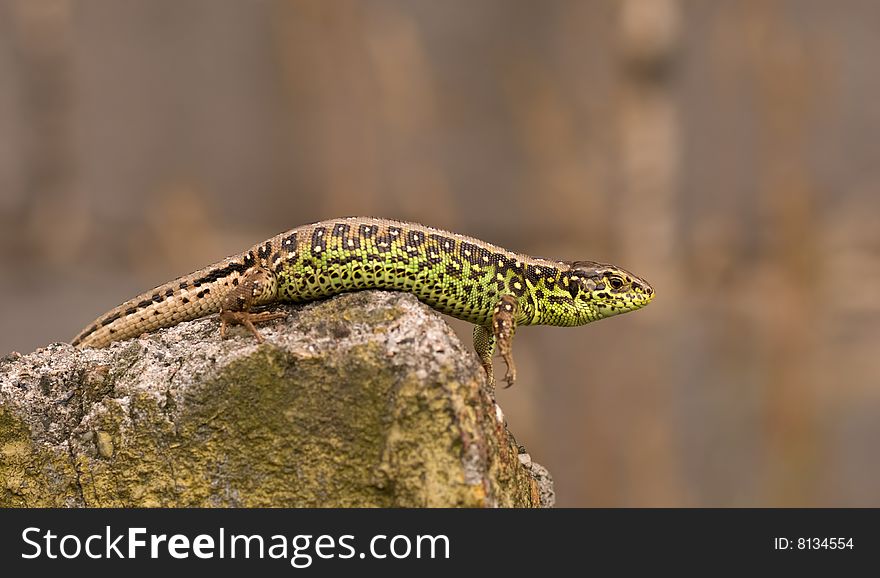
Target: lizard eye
[(615, 282)]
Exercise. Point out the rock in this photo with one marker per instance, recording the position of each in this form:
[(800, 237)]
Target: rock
[(366, 399)]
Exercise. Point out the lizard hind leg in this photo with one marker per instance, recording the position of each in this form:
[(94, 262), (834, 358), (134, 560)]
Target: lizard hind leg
[(256, 286)]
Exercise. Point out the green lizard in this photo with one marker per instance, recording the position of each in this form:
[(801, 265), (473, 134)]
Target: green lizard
[(493, 288)]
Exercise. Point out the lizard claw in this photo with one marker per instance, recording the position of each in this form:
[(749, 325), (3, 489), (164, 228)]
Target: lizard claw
[(247, 319), (510, 378)]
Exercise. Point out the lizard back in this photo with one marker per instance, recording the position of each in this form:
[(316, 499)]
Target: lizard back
[(458, 275)]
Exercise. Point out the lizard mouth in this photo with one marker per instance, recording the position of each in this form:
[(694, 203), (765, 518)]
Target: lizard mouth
[(629, 302)]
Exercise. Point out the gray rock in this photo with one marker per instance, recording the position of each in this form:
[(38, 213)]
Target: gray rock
[(367, 399)]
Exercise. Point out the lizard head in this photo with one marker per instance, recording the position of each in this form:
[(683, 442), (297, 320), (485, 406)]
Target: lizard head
[(601, 290)]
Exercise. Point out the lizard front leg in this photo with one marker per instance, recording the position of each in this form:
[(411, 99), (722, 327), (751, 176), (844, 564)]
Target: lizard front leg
[(254, 287), (484, 343), (501, 332), (503, 328)]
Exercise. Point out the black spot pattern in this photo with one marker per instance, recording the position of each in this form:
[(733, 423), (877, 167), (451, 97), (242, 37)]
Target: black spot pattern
[(471, 253), (347, 242), (319, 242), (560, 299), (444, 244), (415, 238), (383, 243), (501, 263), (368, 231), (432, 250), (517, 286), (531, 274), (219, 273)]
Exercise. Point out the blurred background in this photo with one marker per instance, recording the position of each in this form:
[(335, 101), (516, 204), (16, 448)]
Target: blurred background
[(729, 152)]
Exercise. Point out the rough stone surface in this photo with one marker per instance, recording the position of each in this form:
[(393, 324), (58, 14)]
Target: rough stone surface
[(367, 399)]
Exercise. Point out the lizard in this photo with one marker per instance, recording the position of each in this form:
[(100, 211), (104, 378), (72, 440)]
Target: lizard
[(495, 289)]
